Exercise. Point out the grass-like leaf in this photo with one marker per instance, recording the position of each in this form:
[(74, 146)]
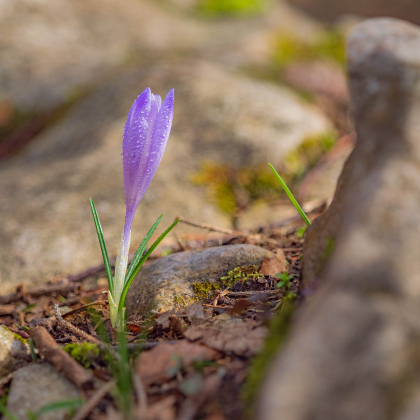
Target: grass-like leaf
[(102, 245), (6, 413), (130, 279), (290, 195), (54, 406), (140, 250)]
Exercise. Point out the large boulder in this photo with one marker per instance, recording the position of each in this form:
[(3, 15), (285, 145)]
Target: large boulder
[(353, 351), (47, 228)]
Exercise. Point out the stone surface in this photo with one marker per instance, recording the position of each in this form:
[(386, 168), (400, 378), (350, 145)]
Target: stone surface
[(47, 227), (37, 385), (353, 351), (12, 351), (332, 9), (52, 49), (156, 285)]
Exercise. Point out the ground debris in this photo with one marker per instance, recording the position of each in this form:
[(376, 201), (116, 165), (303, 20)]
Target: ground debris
[(194, 360), (229, 334), (165, 361)]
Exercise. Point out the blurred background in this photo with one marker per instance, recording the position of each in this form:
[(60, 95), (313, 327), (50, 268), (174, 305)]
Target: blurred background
[(256, 81)]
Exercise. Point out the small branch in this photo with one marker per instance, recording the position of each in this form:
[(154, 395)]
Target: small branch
[(76, 331), (292, 249), (145, 346), (179, 241), (53, 354), (6, 379), (84, 411), (62, 286), (208, 227), (251, 293)]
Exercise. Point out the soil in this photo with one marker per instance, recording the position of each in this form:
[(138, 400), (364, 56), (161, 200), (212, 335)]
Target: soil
[(191, 363)]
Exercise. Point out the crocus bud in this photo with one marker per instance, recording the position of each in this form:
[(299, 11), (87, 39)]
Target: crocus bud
[(146, 133)]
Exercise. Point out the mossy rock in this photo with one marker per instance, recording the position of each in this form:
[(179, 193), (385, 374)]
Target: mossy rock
[(170, 281)]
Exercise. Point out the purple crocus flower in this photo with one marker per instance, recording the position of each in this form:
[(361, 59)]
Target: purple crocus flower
[(145, 136), (146, 133)]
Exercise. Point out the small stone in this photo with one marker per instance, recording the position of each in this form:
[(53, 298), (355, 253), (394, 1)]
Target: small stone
[(37, 385), (170, 278), (12, 351)]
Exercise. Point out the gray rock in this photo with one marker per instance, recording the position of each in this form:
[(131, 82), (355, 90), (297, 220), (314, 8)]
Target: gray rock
[(156, 286), (37, 385), (12, 352), (47, 227), (331, 10), (353, 351), (49, 53)]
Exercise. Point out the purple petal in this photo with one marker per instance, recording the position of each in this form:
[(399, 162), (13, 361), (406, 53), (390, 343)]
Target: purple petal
[(145, 136), (160, 137)]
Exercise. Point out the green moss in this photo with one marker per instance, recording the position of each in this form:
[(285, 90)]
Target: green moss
[(180, 301), (214, 8), (84, 353), (329, 248), (278, 329), (17, 336), (329, 45), (307, 154), (20, 338), (205, 289), (233, 189), (167, 251)]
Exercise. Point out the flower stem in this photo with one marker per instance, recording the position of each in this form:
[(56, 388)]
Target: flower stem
[(119, 277)]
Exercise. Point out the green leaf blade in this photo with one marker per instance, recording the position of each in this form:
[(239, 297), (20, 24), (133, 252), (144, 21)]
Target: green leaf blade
[(290, 195), (140, 250), (102, 244), (141, 262)]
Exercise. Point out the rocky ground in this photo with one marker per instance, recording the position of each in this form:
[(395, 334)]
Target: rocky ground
[(211, 311), (70, 73), (220, 335)]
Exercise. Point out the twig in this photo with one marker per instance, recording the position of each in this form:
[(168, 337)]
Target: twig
[(250, 293), (318, 209), (90, 404), (53, 354), (145, 346), (179, 241), (63, 286), (208, 227), (76, 331), (6, 379)]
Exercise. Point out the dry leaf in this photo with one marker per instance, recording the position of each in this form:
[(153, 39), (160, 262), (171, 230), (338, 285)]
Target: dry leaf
[(162, 410), (239, 306), (155, 366), (275, 265), (244, 338)]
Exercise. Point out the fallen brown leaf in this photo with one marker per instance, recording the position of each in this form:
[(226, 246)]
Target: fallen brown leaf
[(240, 305), (275, 265), (229, 335), (162, 410), (154, 366)]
